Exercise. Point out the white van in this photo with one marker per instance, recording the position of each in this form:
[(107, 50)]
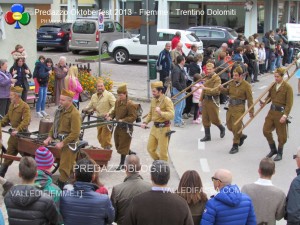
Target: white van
[(84, 35)]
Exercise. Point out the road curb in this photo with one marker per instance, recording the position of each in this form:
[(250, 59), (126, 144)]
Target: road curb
[(92, 60)]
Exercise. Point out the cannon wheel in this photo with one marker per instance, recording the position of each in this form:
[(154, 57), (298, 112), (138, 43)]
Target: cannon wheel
[(56, 166)]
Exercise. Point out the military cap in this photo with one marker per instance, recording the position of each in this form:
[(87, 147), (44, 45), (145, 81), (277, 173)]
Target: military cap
[(280, 71), (157, 84), (122, 89), (16, 89), (67, 93), (238, 70)]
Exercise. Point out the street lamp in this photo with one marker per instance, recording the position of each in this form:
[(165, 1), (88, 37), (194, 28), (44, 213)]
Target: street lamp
[(123, 13)]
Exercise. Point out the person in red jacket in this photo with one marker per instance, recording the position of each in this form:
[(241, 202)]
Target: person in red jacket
[(176, 39)]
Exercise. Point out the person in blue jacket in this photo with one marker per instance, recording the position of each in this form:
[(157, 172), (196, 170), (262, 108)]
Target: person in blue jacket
[(229, 206)]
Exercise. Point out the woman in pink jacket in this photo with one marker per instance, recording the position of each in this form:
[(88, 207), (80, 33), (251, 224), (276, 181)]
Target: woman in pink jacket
[(196, 99), (72, 84)]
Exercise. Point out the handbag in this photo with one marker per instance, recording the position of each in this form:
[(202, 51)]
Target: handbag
[(84, 96)]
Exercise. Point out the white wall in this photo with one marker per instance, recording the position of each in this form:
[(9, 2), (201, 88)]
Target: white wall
[(25, 36)]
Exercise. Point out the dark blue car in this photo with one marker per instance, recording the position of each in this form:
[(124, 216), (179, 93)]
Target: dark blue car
[(54, 35)]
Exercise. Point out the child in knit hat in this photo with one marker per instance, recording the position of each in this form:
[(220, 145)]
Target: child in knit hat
[(44, 160)]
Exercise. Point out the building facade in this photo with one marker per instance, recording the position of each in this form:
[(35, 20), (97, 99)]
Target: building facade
[(26, 36)]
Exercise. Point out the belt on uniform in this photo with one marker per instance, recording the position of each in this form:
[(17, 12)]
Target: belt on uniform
[(211, 97), (162, 124), (277, 108), (233, 102)]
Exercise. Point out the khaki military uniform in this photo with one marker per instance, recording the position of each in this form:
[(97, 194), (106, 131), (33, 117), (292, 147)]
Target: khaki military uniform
[(125, 111), (70, 124), (158, 138), (210, 107), (102, 105), (283, 97), (19, 117), (236, 92)]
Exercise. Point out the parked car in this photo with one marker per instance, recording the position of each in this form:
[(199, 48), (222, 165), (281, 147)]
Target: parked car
[(124, 49), (214, 36), (85, 35), (54, 35)]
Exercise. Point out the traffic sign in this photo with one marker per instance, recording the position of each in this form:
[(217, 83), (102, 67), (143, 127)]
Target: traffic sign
[(101, 21)]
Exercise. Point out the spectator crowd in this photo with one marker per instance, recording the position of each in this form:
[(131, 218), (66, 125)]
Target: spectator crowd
[(256, 55), (37, 200)]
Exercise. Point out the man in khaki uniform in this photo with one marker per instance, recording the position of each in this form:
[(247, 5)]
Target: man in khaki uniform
[(67, 122), (281, 96), (211, 102), (124, 111), (18, 116), (239, 91), (161, 112), (103, 102)]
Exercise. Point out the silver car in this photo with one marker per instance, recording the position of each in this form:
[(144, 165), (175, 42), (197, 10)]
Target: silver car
[(85, 36)]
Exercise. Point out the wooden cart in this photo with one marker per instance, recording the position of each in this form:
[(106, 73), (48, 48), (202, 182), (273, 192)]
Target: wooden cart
[(27, 146)]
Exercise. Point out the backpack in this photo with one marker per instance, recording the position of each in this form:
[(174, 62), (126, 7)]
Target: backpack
[(139, 112)]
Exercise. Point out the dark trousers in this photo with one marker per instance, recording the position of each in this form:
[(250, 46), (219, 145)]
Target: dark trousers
[(262, 68), (196, 110), (24, 95), (4, 105), (285, 56), (163, 74), (188, 100), (267, 61)]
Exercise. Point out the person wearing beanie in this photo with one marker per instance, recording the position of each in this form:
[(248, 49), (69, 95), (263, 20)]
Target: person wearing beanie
[(281, 98), (44, 160), (239, 91), (124, 111)]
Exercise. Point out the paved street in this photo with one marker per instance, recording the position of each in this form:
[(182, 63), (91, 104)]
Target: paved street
[(186, 151)]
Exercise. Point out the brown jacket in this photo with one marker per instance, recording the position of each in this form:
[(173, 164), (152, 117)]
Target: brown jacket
[(241, 91), (125, 111), (122, 194), (282, 97), (18, 116), (158, 207), (69, 123), (211, 83)]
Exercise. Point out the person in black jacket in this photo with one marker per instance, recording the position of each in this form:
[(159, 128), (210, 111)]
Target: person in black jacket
[(249, 58), (25, 203), (178, 77), (38, 64), (164, 63), (293, 197), (21, 72), (194, 67), (45, 70), (224, 76)]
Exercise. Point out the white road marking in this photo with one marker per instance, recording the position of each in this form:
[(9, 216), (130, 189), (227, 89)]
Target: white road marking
[(204, 165), (201, 145), (202, 128), (262, 87)]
